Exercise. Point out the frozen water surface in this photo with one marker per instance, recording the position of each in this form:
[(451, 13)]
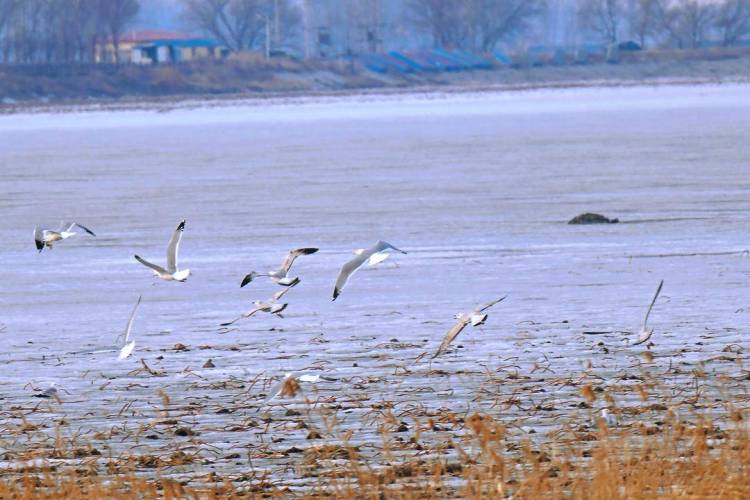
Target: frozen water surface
[(477, 188)]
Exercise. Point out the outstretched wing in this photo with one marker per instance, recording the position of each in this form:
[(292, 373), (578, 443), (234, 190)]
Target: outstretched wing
[(146, 263), (452, 334), (247, 279), (384, 245), (277, 296), (347, 270), (292, 256), (126, 334), (653, 301), (82, 227), (486, 306), (243, 315), (173, 247)]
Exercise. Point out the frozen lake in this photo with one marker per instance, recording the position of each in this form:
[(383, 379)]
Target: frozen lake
[(477, 188)]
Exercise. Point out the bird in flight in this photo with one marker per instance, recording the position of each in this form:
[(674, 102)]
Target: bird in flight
[(281, 275), (373, 255), (123, 339), (474, 318), (272, 306), (47, 237), (171, 273), (644, 335)]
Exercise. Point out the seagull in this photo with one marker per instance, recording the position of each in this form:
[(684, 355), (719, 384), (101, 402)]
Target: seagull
[(645, 334), (49, 392), (271, 307), (475, 318), (122, 339), (170, 273), (281, 275), (47, 237), (373, 255)]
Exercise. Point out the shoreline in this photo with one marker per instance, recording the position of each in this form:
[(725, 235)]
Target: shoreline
[(163, 104), (164, 88)]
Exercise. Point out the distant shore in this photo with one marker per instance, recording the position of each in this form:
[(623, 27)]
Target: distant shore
[(37, 89)]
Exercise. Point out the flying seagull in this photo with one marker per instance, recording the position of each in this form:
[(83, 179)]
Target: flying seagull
[(170, 273), (47, 237), (124, 338), (260, 306), (645, 334), (475, 318), (271, 307), (281, 275), (373, 255)]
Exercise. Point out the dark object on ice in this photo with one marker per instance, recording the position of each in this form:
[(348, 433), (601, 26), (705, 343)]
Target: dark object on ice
[(589, 218)]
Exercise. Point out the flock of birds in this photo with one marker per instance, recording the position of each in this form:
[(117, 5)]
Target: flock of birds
[(380, 251)]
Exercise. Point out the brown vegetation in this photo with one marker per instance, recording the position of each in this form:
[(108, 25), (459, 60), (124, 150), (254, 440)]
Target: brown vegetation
[(654, 440)]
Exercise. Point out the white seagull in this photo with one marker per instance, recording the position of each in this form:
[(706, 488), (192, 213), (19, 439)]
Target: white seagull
[(645, 334), (170, 273), (281, 275), (123, 339), (475, 318), (373, 255), (47, 237)]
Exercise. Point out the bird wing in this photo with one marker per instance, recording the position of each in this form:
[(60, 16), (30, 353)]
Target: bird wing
[(82, 227), (39, 238), (486, 306), (292, 256), (452, 334), (653, 301), (146, 263), (247, 279), (247, 314), (384, 245), (276, 296), (348, 269), (235, 320), (130, 320), (173, 247), (66, 226)]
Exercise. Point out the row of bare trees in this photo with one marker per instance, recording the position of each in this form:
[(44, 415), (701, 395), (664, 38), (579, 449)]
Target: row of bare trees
[(472, 24), (245, 24), (475, 24), (672, 23), (69, 30), (60, 31)]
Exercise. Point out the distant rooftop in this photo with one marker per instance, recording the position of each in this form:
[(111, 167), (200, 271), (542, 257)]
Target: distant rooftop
[(141, 36)]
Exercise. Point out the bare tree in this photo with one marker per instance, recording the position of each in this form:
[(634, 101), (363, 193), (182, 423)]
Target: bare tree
[(733, 20), (643, 21), (444, 20), (114, 16), (238, 24), (603, 17), (494, 20), (7, 11), (287, 22), (694, 19)]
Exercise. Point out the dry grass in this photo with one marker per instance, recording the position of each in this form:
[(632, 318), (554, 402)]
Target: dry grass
[(662, 454)]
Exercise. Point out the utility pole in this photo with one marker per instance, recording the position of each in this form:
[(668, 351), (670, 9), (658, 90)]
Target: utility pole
[(268, 36), (307, 27), (276, 26)]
